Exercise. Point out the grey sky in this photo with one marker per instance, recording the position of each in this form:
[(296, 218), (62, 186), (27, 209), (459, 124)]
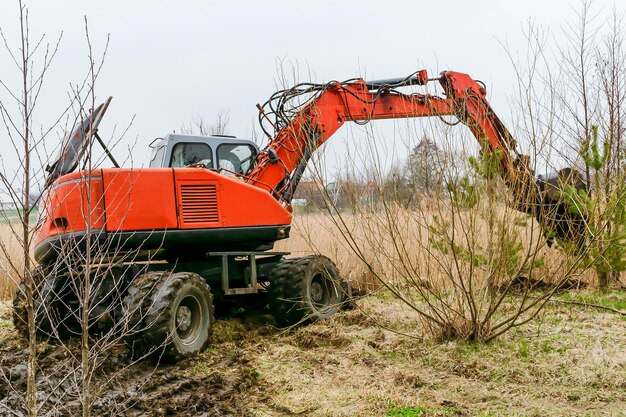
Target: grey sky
[(169, 62)]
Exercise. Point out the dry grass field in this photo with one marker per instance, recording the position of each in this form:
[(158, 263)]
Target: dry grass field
[(319, 233), (10, 249)]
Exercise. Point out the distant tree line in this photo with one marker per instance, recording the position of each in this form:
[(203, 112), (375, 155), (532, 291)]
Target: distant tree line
[(421, 175)]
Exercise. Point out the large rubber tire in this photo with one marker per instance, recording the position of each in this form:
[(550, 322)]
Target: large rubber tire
[(305, 289), (20, 312), (51, 323), (168, 316)]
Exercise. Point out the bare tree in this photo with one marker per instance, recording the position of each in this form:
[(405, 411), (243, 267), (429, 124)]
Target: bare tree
[(79, 291), (424, 167), (219, 126), (17, 111), (593, 96)]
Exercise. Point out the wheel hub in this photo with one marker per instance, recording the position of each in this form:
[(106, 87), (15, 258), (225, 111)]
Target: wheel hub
[(183, 318), (317, 292)]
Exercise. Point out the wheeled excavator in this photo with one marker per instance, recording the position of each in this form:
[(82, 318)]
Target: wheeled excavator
[(200, 222)]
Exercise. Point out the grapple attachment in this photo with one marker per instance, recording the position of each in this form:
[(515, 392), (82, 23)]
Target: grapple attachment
[(556, 209)]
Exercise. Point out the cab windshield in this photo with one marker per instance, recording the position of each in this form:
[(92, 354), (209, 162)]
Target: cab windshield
[(185, 154), (235, 158)]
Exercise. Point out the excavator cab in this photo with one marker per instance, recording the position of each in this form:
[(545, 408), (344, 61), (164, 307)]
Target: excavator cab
[(226, 154)]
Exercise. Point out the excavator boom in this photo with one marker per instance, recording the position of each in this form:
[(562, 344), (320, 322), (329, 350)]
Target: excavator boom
[(282, 163)]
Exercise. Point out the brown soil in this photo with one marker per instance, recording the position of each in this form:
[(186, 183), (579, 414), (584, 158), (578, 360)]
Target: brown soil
[(121, 386), (134, 390)]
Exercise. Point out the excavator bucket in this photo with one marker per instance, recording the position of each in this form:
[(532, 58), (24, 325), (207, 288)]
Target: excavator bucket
[(556, 210)]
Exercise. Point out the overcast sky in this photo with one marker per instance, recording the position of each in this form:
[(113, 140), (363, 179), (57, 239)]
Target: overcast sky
[(169, 62)]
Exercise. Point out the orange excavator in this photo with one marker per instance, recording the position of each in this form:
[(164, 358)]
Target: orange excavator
[(209, 209)]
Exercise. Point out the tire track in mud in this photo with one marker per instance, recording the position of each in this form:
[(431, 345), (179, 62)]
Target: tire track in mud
[(130, 389)]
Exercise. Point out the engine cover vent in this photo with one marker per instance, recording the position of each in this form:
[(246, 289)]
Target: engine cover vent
[(199, 203)]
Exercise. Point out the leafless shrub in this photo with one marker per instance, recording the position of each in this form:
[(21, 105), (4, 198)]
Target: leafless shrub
[(455, 258)]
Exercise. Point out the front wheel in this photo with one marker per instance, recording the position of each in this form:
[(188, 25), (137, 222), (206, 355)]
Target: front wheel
[(170, 315), (305, 289)]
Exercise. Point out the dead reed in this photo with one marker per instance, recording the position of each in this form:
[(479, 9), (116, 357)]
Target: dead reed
[(404, 246), (10, 253), (317, 233)]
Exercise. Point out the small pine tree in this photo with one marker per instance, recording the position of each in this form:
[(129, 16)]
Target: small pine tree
[(605, 207)]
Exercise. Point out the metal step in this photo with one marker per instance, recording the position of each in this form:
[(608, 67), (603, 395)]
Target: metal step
[(239, 291), (253, 287)]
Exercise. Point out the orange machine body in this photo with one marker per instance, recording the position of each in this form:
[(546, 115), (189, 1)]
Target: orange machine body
[(177, 212)]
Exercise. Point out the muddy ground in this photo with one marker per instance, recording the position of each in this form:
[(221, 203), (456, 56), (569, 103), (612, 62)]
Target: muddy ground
[(571, 362), (138, 390), (125, 387)]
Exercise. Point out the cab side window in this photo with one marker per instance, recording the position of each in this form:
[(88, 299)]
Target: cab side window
[(236, 158), (185, 154)]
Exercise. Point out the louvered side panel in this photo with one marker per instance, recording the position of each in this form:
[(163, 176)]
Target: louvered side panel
[(199, 204)]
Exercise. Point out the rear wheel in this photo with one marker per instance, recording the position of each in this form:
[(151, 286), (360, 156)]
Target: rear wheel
[(52, 318), (170, 316), (305, 289), (20, 313)]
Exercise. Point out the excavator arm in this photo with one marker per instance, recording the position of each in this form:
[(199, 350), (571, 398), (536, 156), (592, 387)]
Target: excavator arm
[(321, 109), (297, 135)]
